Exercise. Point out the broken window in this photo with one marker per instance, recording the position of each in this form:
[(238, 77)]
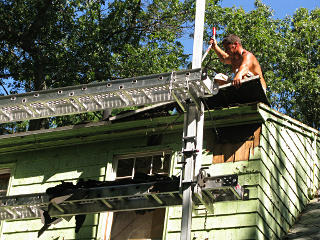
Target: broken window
[(142, 224), (150, 164), (4, 181)]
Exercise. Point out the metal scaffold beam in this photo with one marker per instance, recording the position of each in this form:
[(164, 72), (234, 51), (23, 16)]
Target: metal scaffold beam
[(70, 201), (166, 87)]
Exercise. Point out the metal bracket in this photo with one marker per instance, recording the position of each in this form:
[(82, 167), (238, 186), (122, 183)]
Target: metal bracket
[(190, 152), (115, 198)]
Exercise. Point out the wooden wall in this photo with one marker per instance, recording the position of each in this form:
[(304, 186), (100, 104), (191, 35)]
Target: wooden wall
[(35, 171), (277, 162), (274, 158), (231, 219)]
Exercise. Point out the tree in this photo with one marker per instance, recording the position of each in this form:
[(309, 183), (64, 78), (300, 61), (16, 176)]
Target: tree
[(288, 51), (54, 43), (302, 66)]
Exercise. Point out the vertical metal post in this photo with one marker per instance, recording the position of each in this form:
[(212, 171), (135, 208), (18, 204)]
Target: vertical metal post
[(196, 63), (198, 34), (189, 145), (192, 131)]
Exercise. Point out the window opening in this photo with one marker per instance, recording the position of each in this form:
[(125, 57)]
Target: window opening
[(152, 164), (4, 181), (143, 224), (5, 174)]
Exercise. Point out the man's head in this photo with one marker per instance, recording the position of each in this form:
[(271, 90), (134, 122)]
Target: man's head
[(231, 43)]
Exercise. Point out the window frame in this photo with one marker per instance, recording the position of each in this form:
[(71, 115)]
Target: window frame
[(107, 219), (135, 155)]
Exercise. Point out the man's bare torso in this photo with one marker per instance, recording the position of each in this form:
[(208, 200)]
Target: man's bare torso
[(253, 66)]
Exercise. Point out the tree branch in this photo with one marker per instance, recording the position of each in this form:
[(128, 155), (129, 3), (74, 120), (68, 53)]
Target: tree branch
[(3, 87), (5, 75)]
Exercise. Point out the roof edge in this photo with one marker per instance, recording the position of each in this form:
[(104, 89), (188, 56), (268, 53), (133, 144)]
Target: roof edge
[(107, 130), (269, 114)]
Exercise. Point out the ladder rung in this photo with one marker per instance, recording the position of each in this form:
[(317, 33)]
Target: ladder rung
[(60, 209), (105, 202), (129, 196), (155, 197)]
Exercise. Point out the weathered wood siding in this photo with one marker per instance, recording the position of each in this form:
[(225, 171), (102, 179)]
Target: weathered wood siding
[(231, 219), (274, 157), (35, 171), (279, 164), (291, 160)]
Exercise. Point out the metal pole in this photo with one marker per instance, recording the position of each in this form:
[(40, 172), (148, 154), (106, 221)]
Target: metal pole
[(193, 130), (196, 63), (198, 34), (189, 145)]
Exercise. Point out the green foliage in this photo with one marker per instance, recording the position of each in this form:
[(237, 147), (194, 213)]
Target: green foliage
[(288, 51), (259, 32), (75, 119), (302, 66), (54, 43)]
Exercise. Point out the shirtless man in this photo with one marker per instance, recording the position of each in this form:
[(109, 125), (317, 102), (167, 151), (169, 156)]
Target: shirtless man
[(242, 61)]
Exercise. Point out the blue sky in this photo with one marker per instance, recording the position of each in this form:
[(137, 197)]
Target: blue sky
[(282, 8)]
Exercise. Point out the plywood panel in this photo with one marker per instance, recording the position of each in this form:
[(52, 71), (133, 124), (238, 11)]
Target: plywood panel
[(240, 146), (138, 225)]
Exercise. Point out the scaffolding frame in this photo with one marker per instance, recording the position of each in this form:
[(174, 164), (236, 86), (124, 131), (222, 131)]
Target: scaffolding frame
[(185, 87), (116, 198)]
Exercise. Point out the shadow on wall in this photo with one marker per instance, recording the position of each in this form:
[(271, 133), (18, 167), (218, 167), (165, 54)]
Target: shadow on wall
[(57, 164)]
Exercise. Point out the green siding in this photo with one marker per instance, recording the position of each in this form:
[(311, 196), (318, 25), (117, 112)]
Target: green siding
[(29, 229), (37, 170), (278, 173)]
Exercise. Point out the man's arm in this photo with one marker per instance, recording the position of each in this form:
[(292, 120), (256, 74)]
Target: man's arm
[(243, 69), (223, 56)]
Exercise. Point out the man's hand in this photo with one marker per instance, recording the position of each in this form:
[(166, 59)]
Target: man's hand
[(236, 81), (223, 56), (213, 43), (243, 70)]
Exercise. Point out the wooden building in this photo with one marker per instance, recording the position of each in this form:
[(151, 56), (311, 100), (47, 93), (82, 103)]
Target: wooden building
[(275, 157)]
